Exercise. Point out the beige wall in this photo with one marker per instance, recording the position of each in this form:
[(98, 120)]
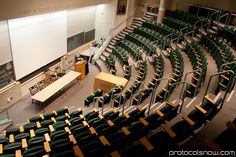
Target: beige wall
[(10, 9)]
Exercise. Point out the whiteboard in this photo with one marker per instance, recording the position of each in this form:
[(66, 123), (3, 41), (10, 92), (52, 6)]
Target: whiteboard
[(37, 41)]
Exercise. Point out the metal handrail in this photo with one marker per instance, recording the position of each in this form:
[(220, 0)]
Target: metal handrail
[(154, 6), (154, 91), (226, 14), (227, 89), (99, 97), (131, 97), (182, 97), (185, 77), (112, 94)]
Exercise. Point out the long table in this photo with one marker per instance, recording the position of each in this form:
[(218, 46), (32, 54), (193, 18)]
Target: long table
[(56, 86)]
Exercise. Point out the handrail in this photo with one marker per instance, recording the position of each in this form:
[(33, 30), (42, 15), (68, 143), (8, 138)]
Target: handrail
[(227, 89), (112, 94), (154, 6), (99, 97), (131, 97), (226, 14), (154, 91), (114, 28), (185, 77), (183, 97)]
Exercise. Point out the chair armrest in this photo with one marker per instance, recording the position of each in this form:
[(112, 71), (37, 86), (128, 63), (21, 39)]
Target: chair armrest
[(68, 122), (125, 130), (144, 121), (47, 147), (67, 115), (67, 130), (53, 119), (193, 85), (199, 108), (146, 143), (24, 143), (110, 123), (11, 138), (126, 115), (115, 154), (188, 120), (209, 99), (169, 131), (38, 124), (171, 104), (78, 151), (51, 128), (1, 148), (92, 130), (159, 113), (85, 123), (47, 137), (72, 139), (21, 127), (32, 133), (104, 140), (100, 116), (18, 153)]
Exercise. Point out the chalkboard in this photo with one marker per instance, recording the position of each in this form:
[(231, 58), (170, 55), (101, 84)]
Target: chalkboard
[(89, 36), (7, 74), (75, 41)]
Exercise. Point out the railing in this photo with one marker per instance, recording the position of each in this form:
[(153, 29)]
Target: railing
[(227, 17), (227, 88)]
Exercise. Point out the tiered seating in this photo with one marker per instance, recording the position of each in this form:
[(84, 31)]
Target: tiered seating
[(158, 64), (178, 24), (222, 55), (153, 36), (143, 42), (228, 33), (121, 55), (110, 62), (199, 63), (131, 48), (168, 139), (89, 99), (163, 29), (121, 98), (177, 62)]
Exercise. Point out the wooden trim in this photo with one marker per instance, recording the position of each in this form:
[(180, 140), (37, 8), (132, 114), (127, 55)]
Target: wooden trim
[(146, 143), (67, 130), (110, 123), (18, 153), (188, 120), (92, 130), (78, 151), (68, 122), (47, 137), (169, 131), (104, 140), (1, 148), (21, 127), (72, 139), (47, 147), (209, 99), (125, 130), (51, 128), (126, 115), (171, 104), (115, 154), (32, 133), (159, 113), (11, 138), (24, 143), (200, 109), (144, 121), (38, 124)]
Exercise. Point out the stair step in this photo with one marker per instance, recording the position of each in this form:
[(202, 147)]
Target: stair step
[(109, 50)]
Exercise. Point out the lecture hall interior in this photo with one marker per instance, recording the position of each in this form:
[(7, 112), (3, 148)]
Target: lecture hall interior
[(119, 78)]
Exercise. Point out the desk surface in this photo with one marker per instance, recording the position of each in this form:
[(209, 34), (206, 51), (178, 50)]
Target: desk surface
[(112, 79), (53, 88)]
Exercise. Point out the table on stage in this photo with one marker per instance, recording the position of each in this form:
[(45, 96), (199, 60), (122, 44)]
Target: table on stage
[(43, 95)]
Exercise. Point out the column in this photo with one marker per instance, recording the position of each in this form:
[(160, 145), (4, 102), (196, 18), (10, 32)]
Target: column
[(161, 12)]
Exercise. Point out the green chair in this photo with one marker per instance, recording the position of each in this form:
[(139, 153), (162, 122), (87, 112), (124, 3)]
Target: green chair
[(36, 151), (11, 148)]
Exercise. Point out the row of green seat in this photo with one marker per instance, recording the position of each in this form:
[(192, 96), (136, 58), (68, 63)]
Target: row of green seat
[(152, 35), (228, 33), (187, 17), (177, 63), (142, 42), (121, 55), (110, 62), (158, 65), (131, 48), (163, 29), (122, 98), (178, 24), (222, 55), (199, 63), (89, 99)]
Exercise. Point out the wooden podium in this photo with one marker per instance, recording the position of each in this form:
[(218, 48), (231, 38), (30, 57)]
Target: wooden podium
[(80, 66), (106, 81)]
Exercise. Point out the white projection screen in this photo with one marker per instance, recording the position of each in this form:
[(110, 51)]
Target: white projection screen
[(37, 41)]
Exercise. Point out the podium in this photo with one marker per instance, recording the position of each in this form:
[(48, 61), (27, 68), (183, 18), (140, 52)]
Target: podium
[(106, 81), (82, 67)]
